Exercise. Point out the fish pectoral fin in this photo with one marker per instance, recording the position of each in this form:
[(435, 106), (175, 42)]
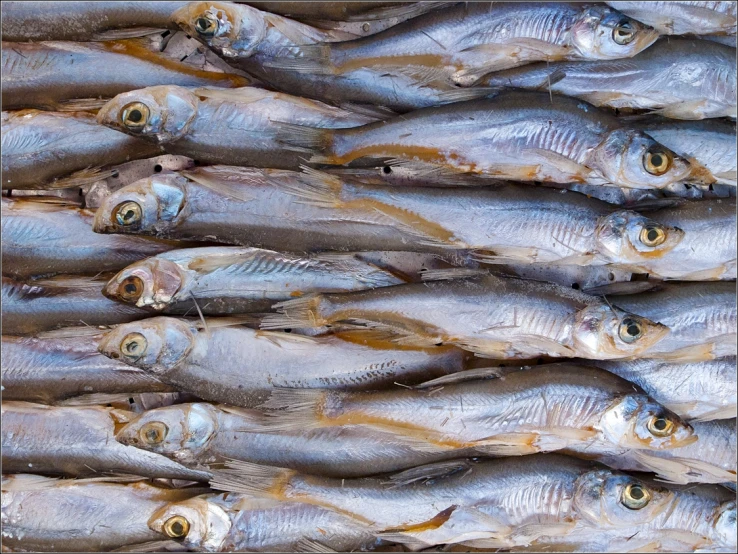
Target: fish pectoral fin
[(561, 163), (308, 545), (524, 535), (466, 375), (306, 58), (81, 105), (122, 34), (507, 254), (81, 178), (436, 470), (682, 110), (624, 288), (694, 353), (723, 412)]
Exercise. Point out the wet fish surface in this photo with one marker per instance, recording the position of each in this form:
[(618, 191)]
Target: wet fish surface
[(681, 18), (240, 366)]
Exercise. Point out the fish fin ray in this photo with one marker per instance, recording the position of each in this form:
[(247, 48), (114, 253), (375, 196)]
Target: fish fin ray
[(308, 545), (249, 478), (452, 273), (463, 376), (296, 313), (301, 138), (121, 34), (435, 470)]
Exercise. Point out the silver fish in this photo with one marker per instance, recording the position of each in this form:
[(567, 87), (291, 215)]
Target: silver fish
[(240, 366), (47, 74), (677, 78), (491, 316), (697, 390), (682, 18), (522, 136), (77, 441), (42, 237), (462, 500), (59, 365), (61, 301), (56, 150), (44, 514), (236, 126)]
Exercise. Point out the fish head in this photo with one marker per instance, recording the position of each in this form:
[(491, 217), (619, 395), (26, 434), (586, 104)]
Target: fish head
[(601, 33), (152, 283), (200, 525), (162, 113), (608, 499), (146, 207), (725, 525), (636, 421), (181, 432), (629, 237), (157, 344), (602, 333), (233, 30), (632, 159)]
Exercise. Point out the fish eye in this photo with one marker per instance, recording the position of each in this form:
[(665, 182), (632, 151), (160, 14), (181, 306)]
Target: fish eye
[(659, 426), (635, 496), (134, 116), (153, 433), (131, 288), (133, 346), (623, 33), (176, 527), (127, 213), (652, 235), (206, 25), (657, 161), (630, 330)]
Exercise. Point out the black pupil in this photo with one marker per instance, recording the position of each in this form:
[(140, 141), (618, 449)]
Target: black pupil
[(151, 435), (387, 170), (132, 346), (652, 234), (633, 330), (135, 116), (636, 493), (177, 528), (130, 288), (660, 424), (624, 29), (129, 215), (203, 24), (657, 160)]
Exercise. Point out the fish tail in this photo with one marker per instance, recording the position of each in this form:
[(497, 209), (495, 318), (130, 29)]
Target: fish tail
[(298, 409), (310, 140), (298, 313), (248, 478), (308, 58)]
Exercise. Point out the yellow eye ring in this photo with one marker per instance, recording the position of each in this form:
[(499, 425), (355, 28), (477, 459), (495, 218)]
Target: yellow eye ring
[(657, 161), (652, 235), (659, 426), (134, 116), (153, 432), (206, 25), (623, 33), (127, 213), (133, 346), (176, 527), (636, 496), (630, 330), (131, 288)]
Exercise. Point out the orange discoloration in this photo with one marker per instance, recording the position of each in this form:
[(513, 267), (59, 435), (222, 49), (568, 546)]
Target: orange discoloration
[(371, 339), (420, 60), (401, 151), (296, 293), (433, 523)]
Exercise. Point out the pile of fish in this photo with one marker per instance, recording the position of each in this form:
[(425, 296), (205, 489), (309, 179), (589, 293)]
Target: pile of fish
[(355, 276)]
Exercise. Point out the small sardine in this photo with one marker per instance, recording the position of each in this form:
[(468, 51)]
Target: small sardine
[(43, 237), (697, 390), (491, 316), (77, 441), (502, 500), (683, 18), (228, 126), (47, 74), (43, 514), (59, 365), (677, 78), (56, 150), (240, 366), (61, 301), (521, 136)]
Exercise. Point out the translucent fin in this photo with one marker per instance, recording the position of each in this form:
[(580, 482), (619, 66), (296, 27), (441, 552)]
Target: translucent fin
[(695, 353), (120, 34), (626, 287), (403, 12), (464, 376), (300, 312), (304, 401), (279, 337), (81, 178), (314, 59), (307, 545), (305, 139), (724, 412), (154, 546), (296, 32), (452, 274), (248, 478), (464, 94), (379, 113), (81, 105), (72, 332), (425, 472)]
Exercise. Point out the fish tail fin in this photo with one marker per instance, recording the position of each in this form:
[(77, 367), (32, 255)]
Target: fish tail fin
[(298, 313), (307, 58), (248, 478), (311, 140)]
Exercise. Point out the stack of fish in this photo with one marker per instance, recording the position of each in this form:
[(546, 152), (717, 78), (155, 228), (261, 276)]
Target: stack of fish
[(327, 276)]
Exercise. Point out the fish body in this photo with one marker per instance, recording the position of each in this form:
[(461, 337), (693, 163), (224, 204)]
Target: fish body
[(677, 78), (228, 280), (695, 390), (61, 301), (77, 441), (45, 74), (236, 126), (491, 316), (55, 150), (240, 366), (682, 18), (44, 514), (43, 238)]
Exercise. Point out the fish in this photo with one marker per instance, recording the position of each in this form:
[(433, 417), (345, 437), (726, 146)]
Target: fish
[(521, 136), (227, 280), (491, 316), (508, 416), (683, 18), (676, 78), (47, 150), (61, 301), (223, 126), (202, 436), (508, 500), (694, 390), (47, 74), (59, 365), (702, 318), (44, 236), (47, 514), (463, 42), (77, 441), (240, 366)]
